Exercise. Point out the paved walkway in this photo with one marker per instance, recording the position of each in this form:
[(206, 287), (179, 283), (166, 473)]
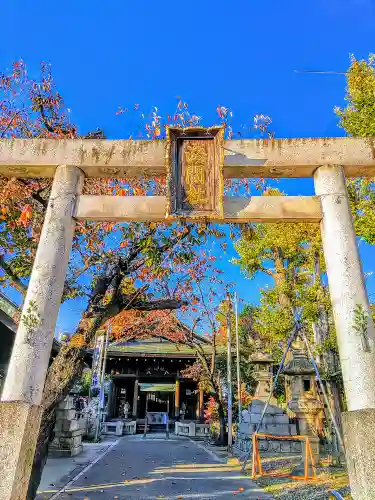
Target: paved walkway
[(154, 468), (59, 471)]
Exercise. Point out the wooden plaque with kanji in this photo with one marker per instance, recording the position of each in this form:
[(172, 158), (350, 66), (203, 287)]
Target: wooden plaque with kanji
[(195, 184)]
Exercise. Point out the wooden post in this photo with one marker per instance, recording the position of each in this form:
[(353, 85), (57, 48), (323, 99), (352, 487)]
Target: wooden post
[(146, 418), (110, 402), (167, 422), (229, 377), (258, 457), (201, 404), (253, 462), (177, 398), (306, 458), (135, 398), (20, 409)]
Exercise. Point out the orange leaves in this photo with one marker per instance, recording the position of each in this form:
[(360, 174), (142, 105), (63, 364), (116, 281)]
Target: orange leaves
[(245, 396), (107, 297), (109, 226), (124, 244), (134, 190), (26, 215), (138, 191), (78, 340), (137, 324)]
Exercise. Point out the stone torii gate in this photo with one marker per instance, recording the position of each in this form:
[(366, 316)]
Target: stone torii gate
[(195, 161)]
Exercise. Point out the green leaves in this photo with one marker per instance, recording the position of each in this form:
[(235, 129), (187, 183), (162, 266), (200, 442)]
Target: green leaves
[(31, 319), (360, 325), (358, 120), (292, 256), (362, 200)]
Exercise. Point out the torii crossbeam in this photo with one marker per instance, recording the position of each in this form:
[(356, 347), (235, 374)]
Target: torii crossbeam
[(196, 163)]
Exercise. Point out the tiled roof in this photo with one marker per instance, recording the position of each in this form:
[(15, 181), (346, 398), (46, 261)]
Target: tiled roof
[(154, 346), (9, 307), (13, 311)]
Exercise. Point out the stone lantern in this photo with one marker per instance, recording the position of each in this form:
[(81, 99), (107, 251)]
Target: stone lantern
[(301, 391), (262, 363)]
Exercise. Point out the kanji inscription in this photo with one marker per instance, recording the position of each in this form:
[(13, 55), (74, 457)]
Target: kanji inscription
[(195, 173)]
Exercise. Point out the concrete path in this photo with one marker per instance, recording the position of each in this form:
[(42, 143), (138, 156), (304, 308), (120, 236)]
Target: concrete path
[(137, 469), (59, 471)]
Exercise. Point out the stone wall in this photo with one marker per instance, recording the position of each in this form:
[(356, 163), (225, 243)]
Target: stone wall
[(68, 433), (275, 422)]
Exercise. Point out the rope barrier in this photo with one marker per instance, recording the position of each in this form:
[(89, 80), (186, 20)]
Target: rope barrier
[(296, 328), (336, 494), (296, 331)]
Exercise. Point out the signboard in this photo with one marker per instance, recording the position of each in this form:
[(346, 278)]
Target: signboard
[(97, 360), (145, 387), (157, 417), (194, 165)]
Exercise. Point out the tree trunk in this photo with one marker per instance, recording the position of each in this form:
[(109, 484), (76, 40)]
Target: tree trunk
[(336, 400), (67, 366), (223, 430), (46, 434), (215, 382), (280, 276)]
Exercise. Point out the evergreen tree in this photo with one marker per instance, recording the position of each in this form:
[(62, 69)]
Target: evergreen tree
[(358, 120)]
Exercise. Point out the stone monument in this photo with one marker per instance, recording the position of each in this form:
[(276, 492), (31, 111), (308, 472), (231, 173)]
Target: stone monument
[(68, 434), (262, 363), (302, 394), (275, 422)]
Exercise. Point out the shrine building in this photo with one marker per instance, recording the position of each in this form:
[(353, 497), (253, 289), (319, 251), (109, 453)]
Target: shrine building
[(147, 374)]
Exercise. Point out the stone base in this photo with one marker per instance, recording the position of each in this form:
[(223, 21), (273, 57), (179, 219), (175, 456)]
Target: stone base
[(359, 438), (71, 452), (315, 449), (69, 434), (19, 428), (299, 471)]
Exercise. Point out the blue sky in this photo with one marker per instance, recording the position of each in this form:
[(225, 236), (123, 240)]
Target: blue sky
[(240, 54)]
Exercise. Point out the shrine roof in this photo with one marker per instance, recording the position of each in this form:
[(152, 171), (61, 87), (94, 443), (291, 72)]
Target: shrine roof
[(154, 347), (10, 314)]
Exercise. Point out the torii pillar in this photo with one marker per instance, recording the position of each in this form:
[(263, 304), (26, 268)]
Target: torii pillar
[(21, 404), (357, 350)]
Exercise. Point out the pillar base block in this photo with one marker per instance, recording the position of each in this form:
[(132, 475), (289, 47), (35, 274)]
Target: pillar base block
[(19, 429), (359, 438)]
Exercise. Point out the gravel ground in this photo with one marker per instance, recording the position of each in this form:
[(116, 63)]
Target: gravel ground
[(285, 488), (288, 489)]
